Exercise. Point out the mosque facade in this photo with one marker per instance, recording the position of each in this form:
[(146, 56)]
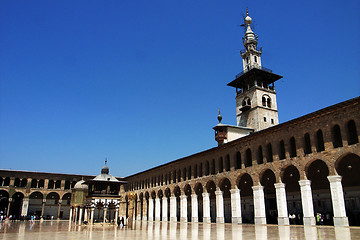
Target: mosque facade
[(304, 171)]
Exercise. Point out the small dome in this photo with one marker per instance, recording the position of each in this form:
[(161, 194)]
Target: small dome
[(248, 20), (80, 185), (105, 170)]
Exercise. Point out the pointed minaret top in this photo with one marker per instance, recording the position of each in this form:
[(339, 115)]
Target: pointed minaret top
[(219, 117)]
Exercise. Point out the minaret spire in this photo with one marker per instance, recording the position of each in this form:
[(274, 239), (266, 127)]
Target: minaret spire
[(251, 55)]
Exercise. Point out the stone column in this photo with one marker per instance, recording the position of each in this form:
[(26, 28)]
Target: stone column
[(145, 207), (338, 203), (157, 209), (194, 208), (164, 209), (259, 204), (59, 209), (307, 202), (281, 203), (151, 209), (71, 214), (235, 206), (206, 207), (105, 214), (138, 217), (116, 215), (86, 214), (25, 206), (80, 215), (9, 206), (173, 209), (43, 207), (76, 214), (92, 215), (183, 208), (219, 206)]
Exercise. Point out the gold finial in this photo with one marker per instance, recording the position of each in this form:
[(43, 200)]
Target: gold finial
[(247, 12), (105, 161)]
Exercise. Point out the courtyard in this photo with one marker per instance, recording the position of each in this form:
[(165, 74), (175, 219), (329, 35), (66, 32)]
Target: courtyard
[(166, 230)]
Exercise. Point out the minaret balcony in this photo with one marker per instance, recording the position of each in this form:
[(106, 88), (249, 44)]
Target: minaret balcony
[(251, 67), (220, 136)]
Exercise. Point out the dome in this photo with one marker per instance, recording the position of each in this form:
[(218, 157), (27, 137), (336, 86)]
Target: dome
[(105, 170), (80, 185), (248, 20)]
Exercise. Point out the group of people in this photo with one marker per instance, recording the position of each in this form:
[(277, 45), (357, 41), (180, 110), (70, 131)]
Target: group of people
[(295, 218), (323, 219)]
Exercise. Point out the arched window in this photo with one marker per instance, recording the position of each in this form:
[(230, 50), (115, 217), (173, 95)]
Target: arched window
[(320, 141), (246, 102), (67, 184), (23, 182), (33, 183), (260, 157), (179, 176), (189, 173), (1, 181), (248, 160), (336, 136), (17, 182), (6, 181), (51, 184), (213, 167), (292, 147), (238, 160), (207, 168), (41, 183), (282, 150), (73, 183), (58, 184), (352, 133), (195, 171), (307, 143), (269, 153), (184, 174), (227, 163), (221, 165), (266, 101), (174, 176), (201, 170)]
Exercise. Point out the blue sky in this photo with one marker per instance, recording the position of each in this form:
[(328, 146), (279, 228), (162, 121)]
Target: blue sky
[(140, 82)]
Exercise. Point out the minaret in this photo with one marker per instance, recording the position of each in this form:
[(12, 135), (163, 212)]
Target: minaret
[(255, 92)]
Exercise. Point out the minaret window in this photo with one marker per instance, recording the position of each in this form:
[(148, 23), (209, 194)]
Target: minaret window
[(266, 101), (255, 59)]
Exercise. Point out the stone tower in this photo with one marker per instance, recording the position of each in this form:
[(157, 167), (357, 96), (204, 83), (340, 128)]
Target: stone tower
[(256, 106)]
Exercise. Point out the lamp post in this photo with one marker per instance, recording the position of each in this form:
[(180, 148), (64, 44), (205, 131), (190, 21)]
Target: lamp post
[(131, 197)]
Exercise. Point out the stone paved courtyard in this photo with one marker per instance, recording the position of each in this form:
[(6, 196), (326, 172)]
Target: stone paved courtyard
[(158, 230)]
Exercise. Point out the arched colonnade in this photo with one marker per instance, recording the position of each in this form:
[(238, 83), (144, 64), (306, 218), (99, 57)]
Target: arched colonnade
[(265, 196)]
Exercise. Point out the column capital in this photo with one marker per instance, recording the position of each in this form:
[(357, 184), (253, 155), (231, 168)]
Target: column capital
[(205, 194), (194, 195), (304, 182), (183, 196), (334, 178), (257, 188), (279, 185), (234, 191), (218, 192)]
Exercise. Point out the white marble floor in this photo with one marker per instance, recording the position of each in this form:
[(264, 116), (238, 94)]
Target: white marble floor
[(164, 230)]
